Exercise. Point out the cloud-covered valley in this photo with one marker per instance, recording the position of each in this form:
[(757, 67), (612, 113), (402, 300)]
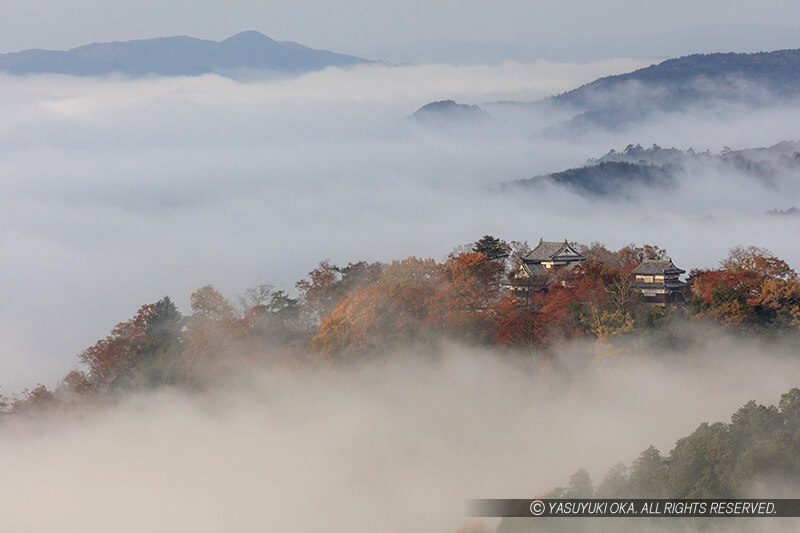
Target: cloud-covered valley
[(390, 447), (117, 192)]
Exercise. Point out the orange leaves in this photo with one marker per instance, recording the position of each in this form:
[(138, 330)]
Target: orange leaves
[(410, 271), (472, 281), (463, 299), (467, 288), (325, 286), (773, 268), (752, 288), (376, 316), (779, 293), (760, 261), (780, 302), (208, 304), (365, 308)]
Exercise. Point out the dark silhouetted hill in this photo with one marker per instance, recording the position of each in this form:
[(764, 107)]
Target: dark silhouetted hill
[(636, 168), (449, 109), (777, 71), (682, 84)]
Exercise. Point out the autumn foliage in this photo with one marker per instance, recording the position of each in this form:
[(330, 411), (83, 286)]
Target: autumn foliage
[(363, 310), (751, 289)]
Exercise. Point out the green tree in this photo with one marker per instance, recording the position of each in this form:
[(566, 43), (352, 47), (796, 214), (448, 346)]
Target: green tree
[(615, 484), (580, 485), (270, 313), (159, 359), (492, 247), (752, 423), (789, 406), (327, 284), (700, 464), (165, 322), (115, 356), (649, 475)]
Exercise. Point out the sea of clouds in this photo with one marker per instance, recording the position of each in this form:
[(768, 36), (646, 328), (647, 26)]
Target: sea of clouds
[(118, 191)]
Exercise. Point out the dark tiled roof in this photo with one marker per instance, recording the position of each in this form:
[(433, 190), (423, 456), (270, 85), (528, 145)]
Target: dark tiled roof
[(547, 251), (650, 267), (534, 269)]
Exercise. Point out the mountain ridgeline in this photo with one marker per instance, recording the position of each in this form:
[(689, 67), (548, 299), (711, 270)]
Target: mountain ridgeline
[(614, 102), (449, 109), (636, 168), (779, 71), (725, 82), (177, 56)]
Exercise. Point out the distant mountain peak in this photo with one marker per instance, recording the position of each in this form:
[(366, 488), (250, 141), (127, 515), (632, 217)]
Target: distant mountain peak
[(177, 56), (249, 36)]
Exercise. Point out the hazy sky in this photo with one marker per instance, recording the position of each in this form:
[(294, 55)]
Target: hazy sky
[(417, 30)]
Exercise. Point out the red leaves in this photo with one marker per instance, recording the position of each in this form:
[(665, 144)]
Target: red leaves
[(518, 326), (746, 283), (751, 288), (470, 281), (109, 356)]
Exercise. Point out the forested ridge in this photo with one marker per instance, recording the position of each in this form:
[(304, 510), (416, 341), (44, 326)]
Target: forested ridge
[(756, 454), (717, 460), (343, 315), (777, 70), (622, 173)]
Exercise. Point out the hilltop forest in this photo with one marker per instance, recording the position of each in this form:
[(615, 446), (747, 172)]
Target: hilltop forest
[(759, 450), (343, 315)]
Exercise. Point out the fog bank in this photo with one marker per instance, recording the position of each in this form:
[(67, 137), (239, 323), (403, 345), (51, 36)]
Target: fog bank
[(394, 446)]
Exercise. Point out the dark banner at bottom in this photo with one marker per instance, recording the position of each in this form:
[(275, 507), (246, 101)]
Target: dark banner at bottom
[(634, 508)]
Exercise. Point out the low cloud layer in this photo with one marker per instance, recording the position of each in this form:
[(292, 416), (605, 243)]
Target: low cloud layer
[(118, 192), (395, 446)]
